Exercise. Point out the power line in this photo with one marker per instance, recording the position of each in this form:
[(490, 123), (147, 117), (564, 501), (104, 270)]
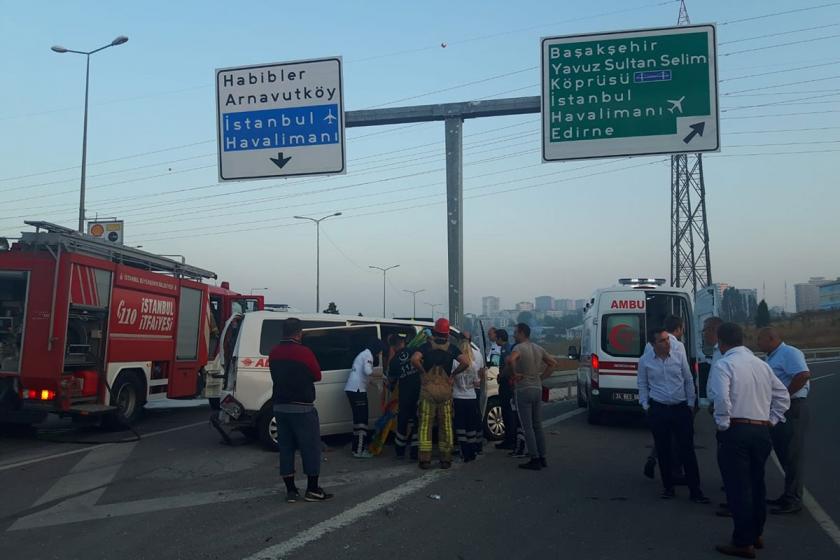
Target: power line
[(784, 71), (783, 85), (774, 14), (764, 48), (767, 36)]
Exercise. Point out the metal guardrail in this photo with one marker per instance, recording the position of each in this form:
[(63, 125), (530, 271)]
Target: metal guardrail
[(814, 354), (566, 380)]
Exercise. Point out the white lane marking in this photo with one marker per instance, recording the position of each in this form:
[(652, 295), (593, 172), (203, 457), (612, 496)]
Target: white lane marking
[(346, 518), (97, 469), (817, 512), (364, 509), (823, 376), (564, 416), (91, 448), (83, 507)]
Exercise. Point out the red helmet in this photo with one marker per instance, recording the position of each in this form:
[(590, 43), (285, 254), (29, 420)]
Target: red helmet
[(441, 327)]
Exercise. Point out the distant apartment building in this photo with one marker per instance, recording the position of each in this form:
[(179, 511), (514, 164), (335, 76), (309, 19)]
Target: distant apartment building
[(720, 287), (749, 296), (544, 303), (580, 304), (564, 304), (524, 306), (489, 306), (807, 297), (829, 295)]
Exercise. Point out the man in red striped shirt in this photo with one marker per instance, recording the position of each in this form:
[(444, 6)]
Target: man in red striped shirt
[(294, 371)]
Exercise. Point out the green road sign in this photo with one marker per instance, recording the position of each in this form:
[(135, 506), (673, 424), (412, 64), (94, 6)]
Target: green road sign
[(651, 91)]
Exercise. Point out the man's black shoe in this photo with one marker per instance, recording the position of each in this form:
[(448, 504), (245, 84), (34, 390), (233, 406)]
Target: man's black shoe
[(780, 501), (317, 495), (699, 498), (533, 465), (650, 467), (668, 494), (786, 509), (543, 463)]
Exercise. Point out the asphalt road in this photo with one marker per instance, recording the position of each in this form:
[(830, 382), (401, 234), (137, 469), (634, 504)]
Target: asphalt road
[(179, 493)]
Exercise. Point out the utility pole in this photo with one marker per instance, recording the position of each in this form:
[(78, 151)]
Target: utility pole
[(384, 272), (690, 262), (414, 301)]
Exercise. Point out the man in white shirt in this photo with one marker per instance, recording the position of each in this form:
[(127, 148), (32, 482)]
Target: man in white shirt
[(666, 392), (675, 328), (356, 391), (749, 399)]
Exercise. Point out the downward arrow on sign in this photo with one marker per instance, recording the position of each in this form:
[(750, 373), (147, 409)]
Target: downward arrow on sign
[(280, 161), (696, 129)]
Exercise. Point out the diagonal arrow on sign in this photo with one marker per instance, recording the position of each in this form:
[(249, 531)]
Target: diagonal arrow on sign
[(696, 130)]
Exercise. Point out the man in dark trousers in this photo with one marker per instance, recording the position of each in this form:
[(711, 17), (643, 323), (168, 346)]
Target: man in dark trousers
[(294, 371), (512, 441), (666, 392), (748, 400), (788, 437), (403, 376)]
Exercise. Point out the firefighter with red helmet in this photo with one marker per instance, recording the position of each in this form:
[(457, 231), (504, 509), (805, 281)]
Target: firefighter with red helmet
[(435, 361)]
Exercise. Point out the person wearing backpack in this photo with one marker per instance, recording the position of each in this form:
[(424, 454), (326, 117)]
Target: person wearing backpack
[(435, 361)]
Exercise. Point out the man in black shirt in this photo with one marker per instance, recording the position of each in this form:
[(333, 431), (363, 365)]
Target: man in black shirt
[(401, 374), (435, 362)]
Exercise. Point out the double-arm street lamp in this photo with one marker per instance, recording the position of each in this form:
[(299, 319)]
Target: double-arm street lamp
[(384, 272), (414, 301), (317, 223), (118, 41)]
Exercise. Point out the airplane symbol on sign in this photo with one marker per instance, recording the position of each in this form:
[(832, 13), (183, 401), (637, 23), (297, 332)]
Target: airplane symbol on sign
[(330, 117), (676, 104)]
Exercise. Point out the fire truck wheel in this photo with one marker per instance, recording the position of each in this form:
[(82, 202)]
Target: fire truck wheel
[(214, 403), (128, 396), (267, 427)]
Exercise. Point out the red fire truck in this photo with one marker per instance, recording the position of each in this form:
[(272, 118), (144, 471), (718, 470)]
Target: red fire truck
[(90, 328)]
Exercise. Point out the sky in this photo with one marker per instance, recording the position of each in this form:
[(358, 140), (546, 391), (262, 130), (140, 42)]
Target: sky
[(562, 229)]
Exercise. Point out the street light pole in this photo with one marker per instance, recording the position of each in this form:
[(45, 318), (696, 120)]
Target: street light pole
[(384, 272), (414, 302), (317, 255), (433, 305), (118, 41)]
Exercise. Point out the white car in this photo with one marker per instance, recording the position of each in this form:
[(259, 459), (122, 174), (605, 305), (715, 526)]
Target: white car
[(240, 379)]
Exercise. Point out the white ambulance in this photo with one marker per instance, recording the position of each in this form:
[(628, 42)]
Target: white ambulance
[(240, 377), (615, 325)]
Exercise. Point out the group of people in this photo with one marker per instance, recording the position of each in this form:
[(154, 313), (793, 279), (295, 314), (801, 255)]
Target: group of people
[(757, 405), (437, 382)]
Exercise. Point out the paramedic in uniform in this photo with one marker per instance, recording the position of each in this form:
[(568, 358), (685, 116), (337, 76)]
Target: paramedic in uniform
[(748, 400), (666, 392), (788, 363)]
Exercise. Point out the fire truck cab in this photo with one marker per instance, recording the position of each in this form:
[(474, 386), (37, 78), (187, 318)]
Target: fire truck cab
[(89, 328), (615, 325)]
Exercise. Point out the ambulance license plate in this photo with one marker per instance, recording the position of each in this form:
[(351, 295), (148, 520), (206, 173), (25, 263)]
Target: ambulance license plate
[(625, 397)]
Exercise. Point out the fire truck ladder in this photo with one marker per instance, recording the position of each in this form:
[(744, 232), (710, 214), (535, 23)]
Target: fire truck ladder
[(57, 239)]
